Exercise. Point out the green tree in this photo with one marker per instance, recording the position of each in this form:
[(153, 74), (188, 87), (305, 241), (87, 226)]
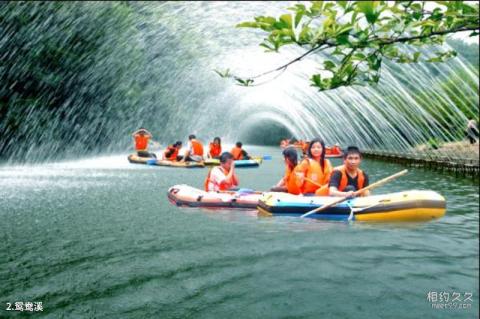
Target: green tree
[(358, 35)]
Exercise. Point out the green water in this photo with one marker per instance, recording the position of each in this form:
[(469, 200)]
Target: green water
[(97, 238)]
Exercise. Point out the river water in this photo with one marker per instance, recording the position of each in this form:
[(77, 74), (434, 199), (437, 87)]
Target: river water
[(97, 238)]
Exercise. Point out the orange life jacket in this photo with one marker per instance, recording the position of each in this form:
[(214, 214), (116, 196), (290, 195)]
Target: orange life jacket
[(313, 171), (197, 147), (215, 149), (141, 142), (237, 153), (344, 179), (291, 182), (173, 153), (223, 186), (336, 150)]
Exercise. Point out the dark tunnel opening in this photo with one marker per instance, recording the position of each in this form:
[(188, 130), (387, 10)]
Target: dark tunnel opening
[(265, 133)]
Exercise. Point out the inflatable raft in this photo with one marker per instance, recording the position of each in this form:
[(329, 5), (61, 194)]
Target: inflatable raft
[(414, 205), (135, 159), (184, 195), (239, 163)]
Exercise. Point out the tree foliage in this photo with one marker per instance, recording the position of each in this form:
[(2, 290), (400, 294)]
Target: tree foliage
[(359, 35)]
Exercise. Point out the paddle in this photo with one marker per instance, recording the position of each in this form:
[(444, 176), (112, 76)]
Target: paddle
[(341, 199)]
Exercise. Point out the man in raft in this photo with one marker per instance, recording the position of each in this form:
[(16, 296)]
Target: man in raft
[(141, 138), (195, 150), (223, 177), (348, 178), (239, 153)]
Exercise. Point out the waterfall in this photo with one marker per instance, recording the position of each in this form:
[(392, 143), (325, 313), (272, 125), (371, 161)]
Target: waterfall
[(154, 68)]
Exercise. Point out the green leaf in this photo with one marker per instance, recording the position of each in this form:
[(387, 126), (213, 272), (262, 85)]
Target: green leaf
[(305, 35), (317, 80), (416, 55), (345, 29), (297, 8), (269, 48), (436, 59), (342, 39), (374, 62), (329, 65), (266, 23), (368, 9), (315, 9), (224, 74), (248, 25), (354, 17), (359, 56), (242, 82), (298, 17), (286, 19), (266, 20), (426, 23), (342, 4)]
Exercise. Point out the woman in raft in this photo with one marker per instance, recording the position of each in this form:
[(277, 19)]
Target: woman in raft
[(288, 183), (223, 177), (171, 153), (215, 148), (313, 173)]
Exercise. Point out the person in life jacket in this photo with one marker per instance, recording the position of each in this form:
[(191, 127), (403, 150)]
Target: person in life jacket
[(239, 153), (171, 153), (141, 139), (313, 173), (223, 177), (215, 148), (336, 150), (195, 150), (348, 178), (288, 183)]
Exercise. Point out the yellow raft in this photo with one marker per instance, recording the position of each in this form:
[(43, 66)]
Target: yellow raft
[(135, 159), (414, 205)]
